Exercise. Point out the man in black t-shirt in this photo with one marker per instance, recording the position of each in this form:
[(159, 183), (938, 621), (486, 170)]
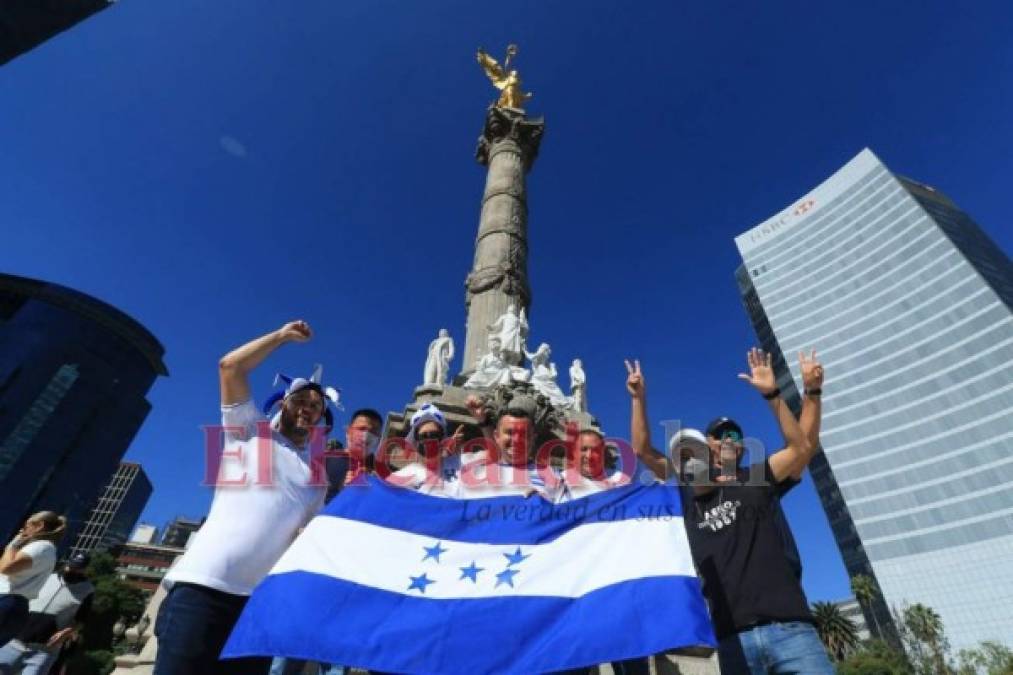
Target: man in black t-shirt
[(740, 541)]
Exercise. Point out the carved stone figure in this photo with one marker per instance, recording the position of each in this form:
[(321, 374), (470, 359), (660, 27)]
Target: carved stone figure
[(512, 331), (578, 386), (543, 376), (492, 370), (441, 352)]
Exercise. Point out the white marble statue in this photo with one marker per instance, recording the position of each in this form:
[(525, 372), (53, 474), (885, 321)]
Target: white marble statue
[(578, 386), (543, 376), (492, 370), (441, 352), (512, 331)]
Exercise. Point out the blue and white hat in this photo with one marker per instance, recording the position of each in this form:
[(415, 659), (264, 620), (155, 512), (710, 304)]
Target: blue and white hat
[(296, 384), (427, 413)]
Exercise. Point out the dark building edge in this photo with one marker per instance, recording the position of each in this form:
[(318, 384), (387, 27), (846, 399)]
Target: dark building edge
[(25, 24), (103, 314)]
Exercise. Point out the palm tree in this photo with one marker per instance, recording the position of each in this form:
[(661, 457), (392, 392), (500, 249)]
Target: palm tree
[(866, 591), (838, 633), (927, 626)]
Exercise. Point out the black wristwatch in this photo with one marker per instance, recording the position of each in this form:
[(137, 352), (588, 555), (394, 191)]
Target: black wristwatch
[(771, 395), (815, 393)]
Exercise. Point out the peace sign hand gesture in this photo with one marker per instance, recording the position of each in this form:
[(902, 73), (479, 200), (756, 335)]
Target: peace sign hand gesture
[(812, 370), (761, 374), (635, 383)]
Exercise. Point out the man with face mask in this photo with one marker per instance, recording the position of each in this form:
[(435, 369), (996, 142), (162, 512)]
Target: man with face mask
[(265, 492)]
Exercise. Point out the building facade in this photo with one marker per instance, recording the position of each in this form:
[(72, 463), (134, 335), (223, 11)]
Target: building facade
[(144, 533), (851, 610), (143, 565), (177, 533), (74, 374), (116, 511), (908, 303)]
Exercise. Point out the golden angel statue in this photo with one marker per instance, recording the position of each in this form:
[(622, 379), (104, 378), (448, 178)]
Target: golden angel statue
[(509, 82)]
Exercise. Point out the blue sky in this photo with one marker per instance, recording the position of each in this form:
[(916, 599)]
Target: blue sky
[(215, 169)]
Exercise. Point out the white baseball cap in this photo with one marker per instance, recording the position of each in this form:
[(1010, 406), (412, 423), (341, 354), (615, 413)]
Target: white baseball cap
[(688, 438)]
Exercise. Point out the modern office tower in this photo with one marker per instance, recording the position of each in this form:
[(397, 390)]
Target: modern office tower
[(116, 512), (908, 303), (25, 24), (74, 373)]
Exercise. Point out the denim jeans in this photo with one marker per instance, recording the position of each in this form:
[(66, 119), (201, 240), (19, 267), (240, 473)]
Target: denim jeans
[(775, 649), (285, 666), (192, 626), (17, 658)]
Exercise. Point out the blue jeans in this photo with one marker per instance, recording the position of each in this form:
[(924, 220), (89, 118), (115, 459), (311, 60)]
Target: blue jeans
[(192, 626), (775, 649), (17, 658), (285, 666)]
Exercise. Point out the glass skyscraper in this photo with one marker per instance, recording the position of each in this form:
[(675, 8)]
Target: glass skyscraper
[(117, 510), (74, 376), (908, 303)]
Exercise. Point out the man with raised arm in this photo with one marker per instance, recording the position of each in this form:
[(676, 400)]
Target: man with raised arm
[(737, 532), (265, 492)]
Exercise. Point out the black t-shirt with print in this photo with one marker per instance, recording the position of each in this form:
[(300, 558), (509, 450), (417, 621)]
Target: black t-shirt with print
[(745, 553)]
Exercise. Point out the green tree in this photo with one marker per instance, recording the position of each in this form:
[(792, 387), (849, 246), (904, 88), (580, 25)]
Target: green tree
[(866, 592), (991, 658), (114, 599), (875, 657), (921, 630), (838, 633)]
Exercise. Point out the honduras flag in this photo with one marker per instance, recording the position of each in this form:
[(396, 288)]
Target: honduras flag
[(392, 580)]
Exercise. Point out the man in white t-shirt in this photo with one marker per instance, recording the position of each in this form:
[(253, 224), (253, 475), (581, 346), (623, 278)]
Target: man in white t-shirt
[(265, 492)]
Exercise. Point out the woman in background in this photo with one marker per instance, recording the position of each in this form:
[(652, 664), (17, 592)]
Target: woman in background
[(25, 565)]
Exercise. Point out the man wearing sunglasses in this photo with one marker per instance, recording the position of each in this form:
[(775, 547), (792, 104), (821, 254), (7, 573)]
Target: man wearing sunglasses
[(738, 535), (741, 541)]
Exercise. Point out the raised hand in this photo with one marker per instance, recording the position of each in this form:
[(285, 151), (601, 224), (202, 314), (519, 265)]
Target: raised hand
[(812, 370), (761, 374), (635, 383), (476, 406), (295, 331)]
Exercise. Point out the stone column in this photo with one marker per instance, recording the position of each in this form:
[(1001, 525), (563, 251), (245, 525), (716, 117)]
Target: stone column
[(499, 275)]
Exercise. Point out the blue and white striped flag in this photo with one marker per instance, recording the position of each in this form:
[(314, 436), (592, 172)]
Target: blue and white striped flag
[(392, 580)]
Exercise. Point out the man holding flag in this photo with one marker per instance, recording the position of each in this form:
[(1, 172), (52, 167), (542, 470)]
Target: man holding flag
[(489, 577)]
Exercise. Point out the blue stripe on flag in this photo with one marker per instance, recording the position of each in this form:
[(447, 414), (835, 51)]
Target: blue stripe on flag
[(321, 618), (499, 520)]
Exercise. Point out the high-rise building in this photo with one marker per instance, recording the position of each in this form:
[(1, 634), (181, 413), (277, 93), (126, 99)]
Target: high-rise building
[(74, 373), (177, 533), (116, 511), (144, 533), (908, 304), (25, 24)]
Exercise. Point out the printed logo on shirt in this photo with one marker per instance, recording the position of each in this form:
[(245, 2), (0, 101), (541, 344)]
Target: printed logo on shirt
[(720, 516)]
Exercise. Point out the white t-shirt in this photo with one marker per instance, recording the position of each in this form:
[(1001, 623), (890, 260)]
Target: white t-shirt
[(250, 525), (28, 581)]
